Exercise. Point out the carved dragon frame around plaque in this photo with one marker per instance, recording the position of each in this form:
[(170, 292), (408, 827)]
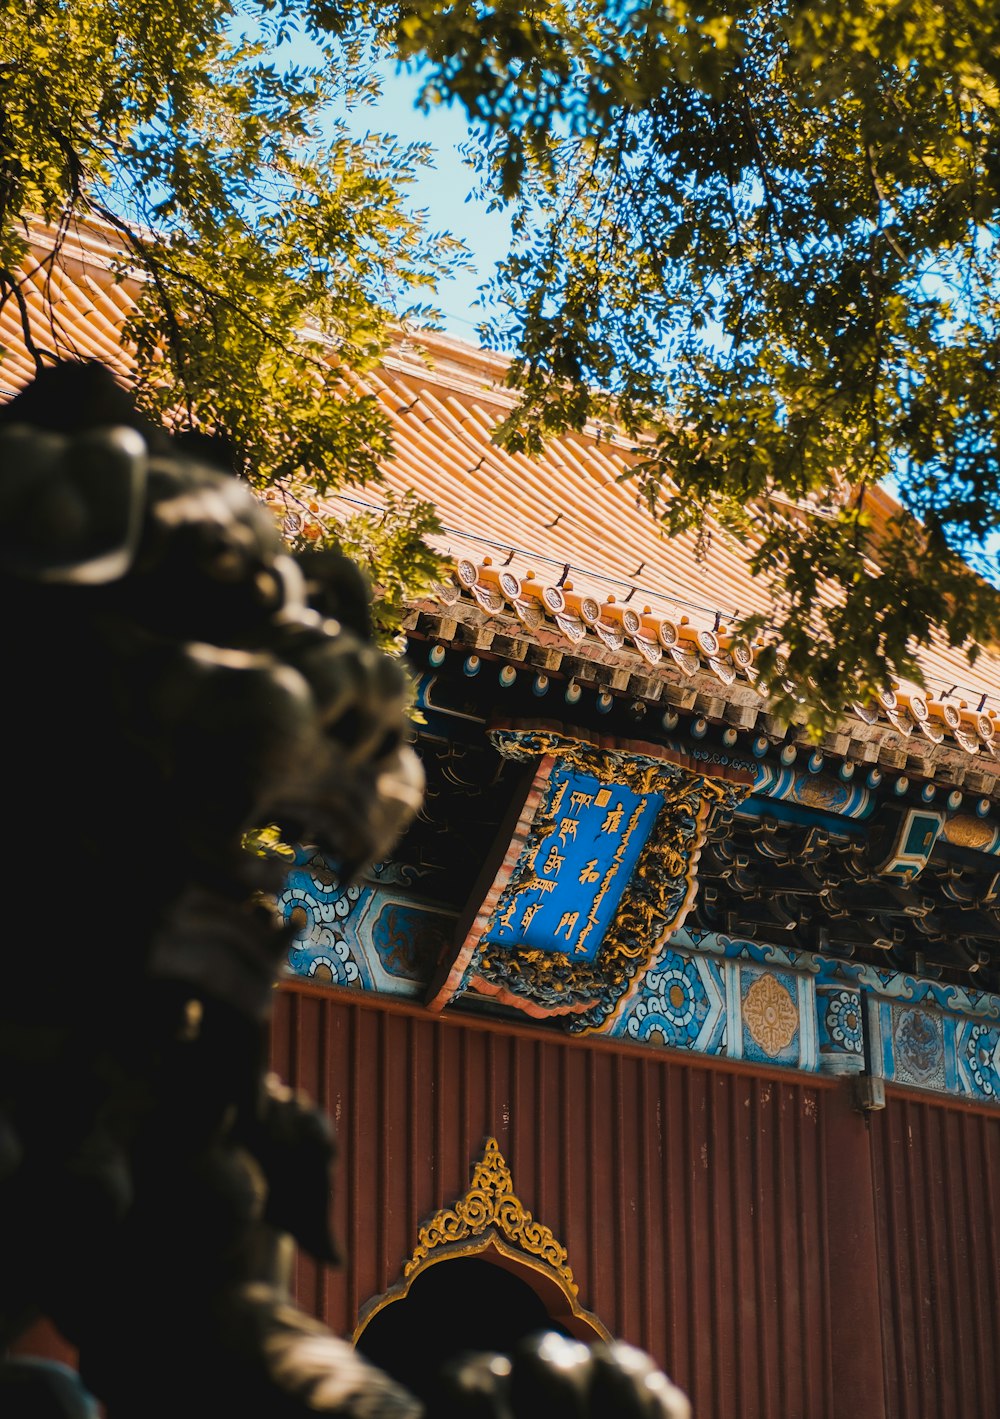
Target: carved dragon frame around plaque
[(601, 867)]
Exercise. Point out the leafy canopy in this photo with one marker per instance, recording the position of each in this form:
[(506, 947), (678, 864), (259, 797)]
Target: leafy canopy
[(761, 236), (274, 249)]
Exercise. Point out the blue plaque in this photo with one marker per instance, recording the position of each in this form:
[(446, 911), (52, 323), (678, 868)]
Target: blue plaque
[(578, 870)]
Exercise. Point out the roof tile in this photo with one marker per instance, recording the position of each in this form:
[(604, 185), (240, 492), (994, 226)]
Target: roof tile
[(558, 548)]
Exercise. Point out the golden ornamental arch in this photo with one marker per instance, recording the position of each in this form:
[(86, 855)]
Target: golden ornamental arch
[(490, 1202), (489, 1216)]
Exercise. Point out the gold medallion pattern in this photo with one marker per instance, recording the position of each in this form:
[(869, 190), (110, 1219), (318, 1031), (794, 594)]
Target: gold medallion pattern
[(965, 831), (770, 1014), (490, 1204)]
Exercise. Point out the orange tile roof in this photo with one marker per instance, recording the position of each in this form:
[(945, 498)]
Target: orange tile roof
[(556, 549)]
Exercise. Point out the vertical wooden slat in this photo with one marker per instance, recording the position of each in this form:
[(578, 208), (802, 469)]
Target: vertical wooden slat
[(922, 1375), (853, 1275), (824, 1270), (592, 1171), (437, 1140), (490, 1087), (715, 1247), (383, 1159), (696, 1374), (740, 1320), (615, 1132), (943, 1299), (683, 1133), (415, 1115), (959, 1263), (647, 1165), (565, 1129), (989, 1258), (894, 1283), (784, 1204), (324, 1102), (981, 1342), (676, 1291), (543, 1116), (355, 1120), (466, 1143)]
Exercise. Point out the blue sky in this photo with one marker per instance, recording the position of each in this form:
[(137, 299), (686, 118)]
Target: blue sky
[(442, 190)]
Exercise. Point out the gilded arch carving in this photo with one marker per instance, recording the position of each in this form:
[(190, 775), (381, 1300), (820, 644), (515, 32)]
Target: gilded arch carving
[(490, 1217)]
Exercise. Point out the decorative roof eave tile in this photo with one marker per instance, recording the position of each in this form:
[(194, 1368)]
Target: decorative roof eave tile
[(936, 740)]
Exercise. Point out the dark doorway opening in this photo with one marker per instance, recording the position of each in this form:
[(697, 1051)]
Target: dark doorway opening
[(453, 1307)]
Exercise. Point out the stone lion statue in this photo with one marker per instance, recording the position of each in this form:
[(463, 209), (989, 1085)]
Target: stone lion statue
[(174, 679)]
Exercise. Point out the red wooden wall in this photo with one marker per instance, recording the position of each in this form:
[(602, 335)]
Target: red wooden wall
[(781, 1254), (939, 1257), (722, 1219)]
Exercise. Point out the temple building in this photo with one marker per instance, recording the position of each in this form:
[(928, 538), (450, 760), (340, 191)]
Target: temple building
[(662, 1021)]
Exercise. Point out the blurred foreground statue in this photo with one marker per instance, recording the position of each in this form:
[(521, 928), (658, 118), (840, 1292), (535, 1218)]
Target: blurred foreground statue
[(175, 678)]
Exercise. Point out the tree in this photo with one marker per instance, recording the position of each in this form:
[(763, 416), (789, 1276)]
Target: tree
[(274, 250), (760, 235)]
